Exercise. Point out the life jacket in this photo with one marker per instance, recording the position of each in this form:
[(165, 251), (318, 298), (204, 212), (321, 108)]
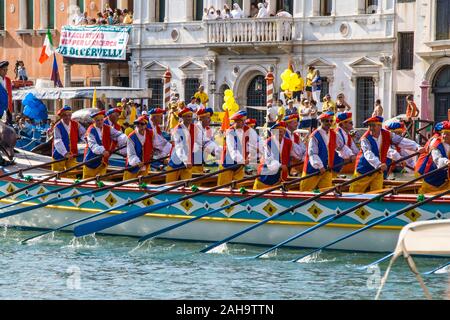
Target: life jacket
[(104, 141), (362, 166), (285, 160), (338, 161), (144, 152), (325, 154), (191, 129), (226, 160), (427, 164), (70, 139)]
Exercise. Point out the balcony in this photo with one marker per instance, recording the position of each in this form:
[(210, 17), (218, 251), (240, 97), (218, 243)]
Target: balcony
[(248, 31)]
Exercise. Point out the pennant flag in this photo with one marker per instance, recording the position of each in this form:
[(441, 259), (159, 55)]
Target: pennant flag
[(47, 49), (94, 99), (55, 73)]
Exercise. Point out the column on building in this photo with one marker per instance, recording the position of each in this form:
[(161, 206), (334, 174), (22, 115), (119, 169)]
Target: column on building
[(151, 11), (43, 9), (189, 10), (67, 74), (315, 9), (246, 7), (22, 14), (166, 13), (104, 74), (122, 4), (299, 9), (333, 7)]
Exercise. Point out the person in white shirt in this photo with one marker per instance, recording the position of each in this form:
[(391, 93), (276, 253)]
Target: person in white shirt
[(237, 12), (272, 114), (262, 13), (161, 147), (298, 146), (255, 145)]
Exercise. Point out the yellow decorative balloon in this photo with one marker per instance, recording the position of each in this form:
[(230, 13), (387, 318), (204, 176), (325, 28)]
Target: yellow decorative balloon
[(228, 93)]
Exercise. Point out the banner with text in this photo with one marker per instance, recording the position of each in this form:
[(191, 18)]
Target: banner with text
[(94, 42)]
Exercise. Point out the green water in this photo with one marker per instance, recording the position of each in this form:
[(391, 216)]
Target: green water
[(105, 267)]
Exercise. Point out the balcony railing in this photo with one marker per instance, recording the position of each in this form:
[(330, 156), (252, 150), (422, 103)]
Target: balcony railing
[(249, 30)]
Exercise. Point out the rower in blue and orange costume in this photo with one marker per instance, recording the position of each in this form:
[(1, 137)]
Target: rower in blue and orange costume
[(274, 164), (437, 156), (398, 152), (112, 118), (139, 149), (100, 140), (298, 146), (374, 153), (66, 135), (320, 156)]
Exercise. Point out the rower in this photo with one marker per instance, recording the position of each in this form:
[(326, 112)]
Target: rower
[(274, 165), (299, 148), (255, 145), (425, 158), (139, 149), (185, 138), (100, 138), (345, 126), (438, 156), (322, 147), (112, 118), (161, 147), (208, 145), (235, 149), (396, 152), (375, 144), (66, 135)]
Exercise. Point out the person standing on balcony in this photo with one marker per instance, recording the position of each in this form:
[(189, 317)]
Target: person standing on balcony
[(237, 12), (253, 10), (378, 110), (309, 80), (202, 95), (262, 12)]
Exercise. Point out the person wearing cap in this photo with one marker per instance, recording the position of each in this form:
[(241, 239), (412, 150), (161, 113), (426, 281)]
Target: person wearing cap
[(112, 118), (345, 126), (161, 147), (208, 145), (255, 146), (298, 147), (396, 152), (186, 140), (139, 150), (202, 95), (66, 135), (6, 103), (437, 156), (235, 149), (100, 138), (320, 155), (374, 153), (273, 167)]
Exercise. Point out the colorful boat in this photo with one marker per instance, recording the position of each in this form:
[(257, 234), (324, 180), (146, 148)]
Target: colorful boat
[(379, 239)]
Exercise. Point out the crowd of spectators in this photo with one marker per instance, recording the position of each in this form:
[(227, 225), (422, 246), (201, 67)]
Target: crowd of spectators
[(108, 16)]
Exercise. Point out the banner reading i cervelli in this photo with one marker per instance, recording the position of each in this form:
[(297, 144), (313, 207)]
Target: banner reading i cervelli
[(94, 42)]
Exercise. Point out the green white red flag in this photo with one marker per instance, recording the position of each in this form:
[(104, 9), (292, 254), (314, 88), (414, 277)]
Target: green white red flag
[(47, 49)]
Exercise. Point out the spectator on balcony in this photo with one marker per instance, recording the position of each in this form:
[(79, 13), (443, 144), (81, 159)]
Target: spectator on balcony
[(127, 17), (341, 104), (253, 10), (227, 14), (316, 85), (202, 95), (110, 18), (283, 13), (378, 110), (218, 15), (117, 17), (309, 80), (100, 19), (20, 71), (237, 12), (262, 12)]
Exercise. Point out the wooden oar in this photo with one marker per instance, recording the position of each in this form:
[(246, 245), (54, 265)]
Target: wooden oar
[(37, 166), (390, 217), (98, 225), (90, 193), (53, 176), (76, 184), (343, 213), (437, 269), (230, 205), (302, 203)]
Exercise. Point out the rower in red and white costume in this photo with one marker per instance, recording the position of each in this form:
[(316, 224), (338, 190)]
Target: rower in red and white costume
[(208, 145), (66, 135), (235, 149), (255, 145), (100, 140), (112, 118), (186, 140), (322, 147), (277, 155), (345, 126), (139, 149), (161, 147), (374, 153), (299, 147)]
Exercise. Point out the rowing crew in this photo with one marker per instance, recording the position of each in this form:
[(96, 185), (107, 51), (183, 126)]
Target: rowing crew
[(325, 153)]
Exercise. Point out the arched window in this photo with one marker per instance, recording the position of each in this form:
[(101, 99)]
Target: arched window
[(441, 90), (257, 97)]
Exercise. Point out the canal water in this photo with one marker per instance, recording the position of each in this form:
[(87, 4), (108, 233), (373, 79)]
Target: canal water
[(106, 267)]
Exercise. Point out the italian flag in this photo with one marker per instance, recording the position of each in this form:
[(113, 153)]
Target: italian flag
[(47, 49)]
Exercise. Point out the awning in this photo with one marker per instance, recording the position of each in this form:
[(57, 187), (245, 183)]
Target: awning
[(83, 93)]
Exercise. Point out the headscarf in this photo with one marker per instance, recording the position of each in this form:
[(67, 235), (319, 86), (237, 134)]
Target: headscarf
[(237, 12)]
